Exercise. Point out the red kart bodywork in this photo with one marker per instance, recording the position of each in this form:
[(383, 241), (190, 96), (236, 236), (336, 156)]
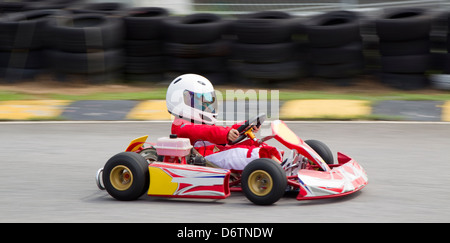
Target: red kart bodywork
[(334, 180), (175, 178)]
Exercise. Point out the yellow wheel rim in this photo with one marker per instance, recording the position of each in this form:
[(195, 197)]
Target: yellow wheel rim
[(260, 183), (121, 178)]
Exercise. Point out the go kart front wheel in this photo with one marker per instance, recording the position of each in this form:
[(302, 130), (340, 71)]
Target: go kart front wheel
[(126, 176), (263, 181), (322, 149)]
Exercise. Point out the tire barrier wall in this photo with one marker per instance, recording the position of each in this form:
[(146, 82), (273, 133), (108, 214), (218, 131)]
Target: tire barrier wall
[(106, 41), (194, 44), (144, 44), (263, 48), (335, 45), (405, 54)]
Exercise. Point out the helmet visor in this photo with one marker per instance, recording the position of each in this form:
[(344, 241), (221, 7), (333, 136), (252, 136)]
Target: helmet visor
[(201, 101)]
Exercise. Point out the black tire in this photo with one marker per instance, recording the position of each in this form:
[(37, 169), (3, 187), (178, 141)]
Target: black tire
[(268, 71), (349, 53), (401, 24), (194, 29), (202, 64), (111, 8), (83, 33), (405, 64), (333, 29), (24, 59), (143, 77), (403, 48), (145, 65), (12, 7), (265, 27), (405, 81), (264, 53), (86, 63), (26, 30), (11, 75), (269, 14), (340, 70), (144, 23), (212, 49), (135, 167), (218, 78), (322, 149), (261, 173), (438, 61), (445, 62), (143, 48)]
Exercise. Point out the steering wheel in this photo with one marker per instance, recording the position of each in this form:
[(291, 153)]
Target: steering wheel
[(254, 121)]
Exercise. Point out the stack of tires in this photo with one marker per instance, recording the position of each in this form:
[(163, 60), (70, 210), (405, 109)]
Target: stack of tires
[(144, 60), (440, 51), (404, 36), (263, 50), (194, 44), (86, 45), (23, 44), (335, 46)]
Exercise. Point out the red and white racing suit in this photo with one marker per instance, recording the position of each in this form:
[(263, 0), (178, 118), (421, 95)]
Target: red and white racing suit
[(211, 142)]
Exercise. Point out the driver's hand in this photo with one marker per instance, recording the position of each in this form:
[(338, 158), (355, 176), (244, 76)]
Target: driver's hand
[(233, 134), (256, 129)]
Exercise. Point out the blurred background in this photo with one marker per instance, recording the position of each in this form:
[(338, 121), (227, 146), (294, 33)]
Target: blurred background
[(398, 44), (276, 44)]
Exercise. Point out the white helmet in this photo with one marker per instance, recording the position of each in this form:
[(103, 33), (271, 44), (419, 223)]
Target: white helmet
[(192, 97)]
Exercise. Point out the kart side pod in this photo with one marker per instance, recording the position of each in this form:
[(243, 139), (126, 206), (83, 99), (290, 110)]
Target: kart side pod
[(188, 181)]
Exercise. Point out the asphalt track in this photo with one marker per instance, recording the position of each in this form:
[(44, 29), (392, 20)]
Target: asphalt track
[(48, 169)]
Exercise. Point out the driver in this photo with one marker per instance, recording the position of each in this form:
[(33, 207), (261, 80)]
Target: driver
[(192, 100)]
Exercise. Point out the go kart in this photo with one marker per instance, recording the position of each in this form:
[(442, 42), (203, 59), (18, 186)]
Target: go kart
[(171, 167)]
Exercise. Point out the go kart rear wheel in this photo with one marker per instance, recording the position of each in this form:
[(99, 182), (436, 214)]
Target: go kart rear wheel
[(126, 176), (263, 181)]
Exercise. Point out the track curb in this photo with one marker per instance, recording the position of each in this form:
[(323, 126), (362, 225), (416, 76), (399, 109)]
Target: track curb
[(155, 110)]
